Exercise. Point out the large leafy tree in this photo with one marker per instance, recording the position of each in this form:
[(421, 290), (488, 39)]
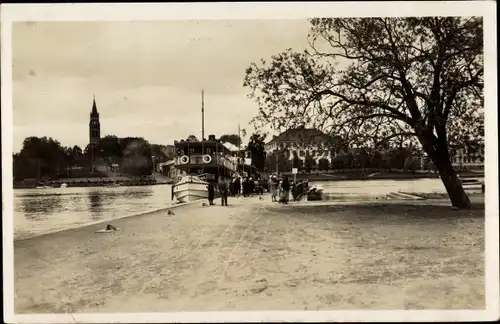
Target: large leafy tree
[(136, 156), (374, 80), (257, 151), (109, 148)]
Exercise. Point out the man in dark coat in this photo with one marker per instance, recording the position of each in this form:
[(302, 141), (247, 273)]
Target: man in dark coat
[(211, 192), (223, 190)]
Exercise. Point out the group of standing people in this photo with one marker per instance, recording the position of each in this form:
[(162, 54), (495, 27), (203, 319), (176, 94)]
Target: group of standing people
[(230, 187), (243, 186), (280, 189), (222, 186)]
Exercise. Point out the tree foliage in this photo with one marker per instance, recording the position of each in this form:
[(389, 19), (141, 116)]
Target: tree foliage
[(374, 80), (46, 158), (277, 161), (297, 161), (323, 164), (42, 157), (309, 162), (231, 138), (257, 150)]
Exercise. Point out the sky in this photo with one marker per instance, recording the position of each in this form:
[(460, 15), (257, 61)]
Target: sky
[(147, 77)]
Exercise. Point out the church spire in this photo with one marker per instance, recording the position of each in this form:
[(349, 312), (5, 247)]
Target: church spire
[(94, 112)]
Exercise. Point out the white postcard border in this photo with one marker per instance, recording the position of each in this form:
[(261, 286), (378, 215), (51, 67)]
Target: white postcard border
[(296, 10)]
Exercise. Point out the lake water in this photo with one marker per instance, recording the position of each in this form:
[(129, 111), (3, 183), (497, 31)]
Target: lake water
[(378, 188), (40, 211)]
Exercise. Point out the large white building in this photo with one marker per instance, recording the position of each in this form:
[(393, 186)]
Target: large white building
[(303, 141)]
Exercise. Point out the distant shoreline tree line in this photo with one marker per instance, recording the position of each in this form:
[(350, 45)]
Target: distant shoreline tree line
[(392, 155), (44, 158), (401, 158)]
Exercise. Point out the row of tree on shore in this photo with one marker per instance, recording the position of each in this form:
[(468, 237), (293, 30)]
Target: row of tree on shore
[(45, 158), (401, 158)]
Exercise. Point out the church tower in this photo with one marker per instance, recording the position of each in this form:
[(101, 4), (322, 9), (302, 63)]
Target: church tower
[(94, 126)]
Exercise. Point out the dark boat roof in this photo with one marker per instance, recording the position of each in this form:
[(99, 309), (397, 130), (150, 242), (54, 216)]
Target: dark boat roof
[(214, 144)]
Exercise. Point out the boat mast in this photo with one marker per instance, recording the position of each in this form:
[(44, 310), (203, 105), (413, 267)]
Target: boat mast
[(202, 117), (202, 126)]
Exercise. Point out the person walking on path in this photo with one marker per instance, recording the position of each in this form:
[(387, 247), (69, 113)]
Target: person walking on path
[(223, 190), (238, 186), (274, 188), (280, 182), (211, 192), (245, 187), (285, 191)]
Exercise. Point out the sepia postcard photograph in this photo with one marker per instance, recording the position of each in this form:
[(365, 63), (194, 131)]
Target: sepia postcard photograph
[(250, 162)]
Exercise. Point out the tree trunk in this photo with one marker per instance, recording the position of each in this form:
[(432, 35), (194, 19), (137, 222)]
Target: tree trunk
[(454, 188)]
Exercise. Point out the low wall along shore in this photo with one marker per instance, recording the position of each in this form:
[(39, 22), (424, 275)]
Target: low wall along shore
[(259, 255)]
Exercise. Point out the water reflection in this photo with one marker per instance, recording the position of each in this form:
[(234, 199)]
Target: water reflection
[(39, 207), (104, 201), (38, 211), (142, 194), (95, 204)]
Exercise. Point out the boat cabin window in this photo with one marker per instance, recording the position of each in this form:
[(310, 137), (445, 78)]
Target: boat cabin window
[(208, 151), (192, 151)]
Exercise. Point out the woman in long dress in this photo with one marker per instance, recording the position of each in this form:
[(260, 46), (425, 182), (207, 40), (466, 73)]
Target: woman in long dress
[(285, 191), (274, 188)]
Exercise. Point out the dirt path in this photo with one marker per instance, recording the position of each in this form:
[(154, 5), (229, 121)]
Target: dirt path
[(258, 255)]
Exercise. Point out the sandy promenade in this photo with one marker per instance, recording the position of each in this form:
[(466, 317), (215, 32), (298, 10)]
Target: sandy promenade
[(258, 255)]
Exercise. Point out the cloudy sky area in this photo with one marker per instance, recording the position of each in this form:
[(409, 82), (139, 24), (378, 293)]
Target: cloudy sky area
[(147, 76)]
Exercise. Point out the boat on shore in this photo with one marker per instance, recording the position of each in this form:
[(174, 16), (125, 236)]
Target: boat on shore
[(190, 188), (201, 162)]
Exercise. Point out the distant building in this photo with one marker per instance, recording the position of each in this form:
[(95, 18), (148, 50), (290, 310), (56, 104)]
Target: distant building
[(94, 133), (468, 159), (303, 141), (94, 126), (240, 156)]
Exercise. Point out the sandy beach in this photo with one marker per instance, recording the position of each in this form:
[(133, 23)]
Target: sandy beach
[(258, 255)]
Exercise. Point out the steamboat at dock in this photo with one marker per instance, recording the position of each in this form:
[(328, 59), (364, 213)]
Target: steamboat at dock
[(200, 162)]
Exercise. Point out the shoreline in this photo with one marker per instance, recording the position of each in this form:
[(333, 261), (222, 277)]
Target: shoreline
[(97, 185), (390, 177), (440, 199), (99, 222)]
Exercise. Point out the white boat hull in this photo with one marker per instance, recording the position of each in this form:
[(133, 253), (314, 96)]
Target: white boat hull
[(185, 191)]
